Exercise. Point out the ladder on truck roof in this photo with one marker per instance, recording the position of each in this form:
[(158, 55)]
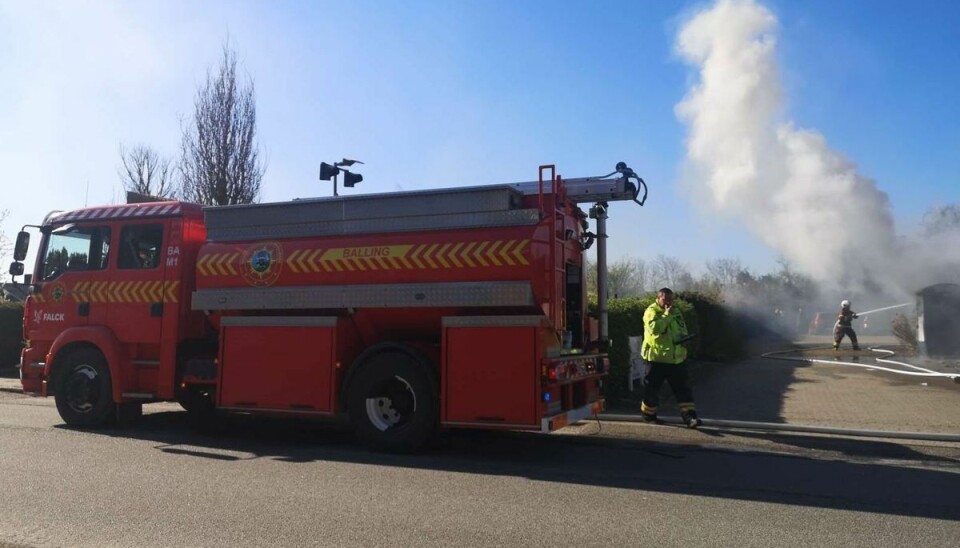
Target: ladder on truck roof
[(440, 209)]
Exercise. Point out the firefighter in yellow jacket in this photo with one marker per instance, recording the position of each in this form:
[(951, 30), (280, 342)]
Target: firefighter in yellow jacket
[(665, 359)]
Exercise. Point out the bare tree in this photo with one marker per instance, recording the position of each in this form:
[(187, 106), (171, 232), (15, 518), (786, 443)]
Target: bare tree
[(626, 278), (670, 272), (220, 163), (724, 272), (143, 171)]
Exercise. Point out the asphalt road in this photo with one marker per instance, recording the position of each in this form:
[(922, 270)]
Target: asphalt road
[(289, 483)]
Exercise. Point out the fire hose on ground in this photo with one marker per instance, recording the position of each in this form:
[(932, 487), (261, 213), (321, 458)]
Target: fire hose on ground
[(766, 426)]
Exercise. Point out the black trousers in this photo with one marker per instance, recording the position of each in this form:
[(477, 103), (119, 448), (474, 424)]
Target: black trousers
[(676, 375), (840, 331)]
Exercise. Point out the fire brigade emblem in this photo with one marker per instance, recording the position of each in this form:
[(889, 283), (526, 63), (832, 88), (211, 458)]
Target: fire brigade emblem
[(57, 292), (261, 264)]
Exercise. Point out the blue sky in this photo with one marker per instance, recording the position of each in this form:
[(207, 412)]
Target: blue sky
[(433, 94)]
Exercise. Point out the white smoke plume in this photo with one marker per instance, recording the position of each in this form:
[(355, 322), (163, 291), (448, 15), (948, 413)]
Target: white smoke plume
[(800, 197)]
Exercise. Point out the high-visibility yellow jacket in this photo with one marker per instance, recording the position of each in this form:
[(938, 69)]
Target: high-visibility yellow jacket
[(660, 331)]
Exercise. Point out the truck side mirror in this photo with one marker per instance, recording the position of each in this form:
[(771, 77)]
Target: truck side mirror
[(16, 269), (20, 249)]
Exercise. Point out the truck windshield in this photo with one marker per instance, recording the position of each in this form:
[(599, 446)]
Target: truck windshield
[(78, 248)]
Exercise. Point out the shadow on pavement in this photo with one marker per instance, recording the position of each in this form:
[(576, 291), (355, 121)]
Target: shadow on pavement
[(624, 464), (751, 389), (854, 448)]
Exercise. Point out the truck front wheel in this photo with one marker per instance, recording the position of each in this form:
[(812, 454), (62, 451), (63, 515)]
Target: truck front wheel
[(393, 402), (84, 390)]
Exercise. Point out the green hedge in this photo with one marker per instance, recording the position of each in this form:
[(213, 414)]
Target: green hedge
[(717, 340), (11, 331)]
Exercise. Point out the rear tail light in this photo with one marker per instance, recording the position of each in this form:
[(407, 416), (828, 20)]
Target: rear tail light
[(574, 368)]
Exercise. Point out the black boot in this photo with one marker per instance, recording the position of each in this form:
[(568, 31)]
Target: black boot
[(650, 419), (691, 420)]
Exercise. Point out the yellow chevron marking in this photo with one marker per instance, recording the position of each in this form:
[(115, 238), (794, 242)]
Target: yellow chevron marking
[(78, 292), (301, 262), (130, 292), (142, 292), (415, 257), (170, 292), (466, 254), (211, 264), (440, 256), (427, 255), (478, 253), (352, 259), (453, 255), (312, 261), (202, 265), (491, 253), (505, 252), (292, 260), (219, 267), (113, 292), (518, 252)]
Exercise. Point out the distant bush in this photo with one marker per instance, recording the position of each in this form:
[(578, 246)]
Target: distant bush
[(903, 329), (720, 337), (11, 331)]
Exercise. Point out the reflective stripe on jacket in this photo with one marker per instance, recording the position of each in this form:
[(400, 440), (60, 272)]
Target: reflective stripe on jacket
[(659, 333)]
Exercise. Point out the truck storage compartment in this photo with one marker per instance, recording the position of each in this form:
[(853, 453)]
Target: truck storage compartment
[(490, 370), (283, 363)]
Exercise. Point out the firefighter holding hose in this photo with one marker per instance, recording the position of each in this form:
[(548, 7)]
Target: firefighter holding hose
[(844, 326)]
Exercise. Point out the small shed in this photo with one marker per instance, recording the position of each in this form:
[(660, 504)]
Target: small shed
[(938, 321)]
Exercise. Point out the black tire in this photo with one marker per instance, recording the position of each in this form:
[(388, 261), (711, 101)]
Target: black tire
[(84, 390), (393, 402)]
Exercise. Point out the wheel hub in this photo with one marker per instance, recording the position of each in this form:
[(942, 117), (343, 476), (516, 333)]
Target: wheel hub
[(392, 404), (82, 389)]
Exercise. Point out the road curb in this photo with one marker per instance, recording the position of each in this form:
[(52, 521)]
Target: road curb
[(779, 427)]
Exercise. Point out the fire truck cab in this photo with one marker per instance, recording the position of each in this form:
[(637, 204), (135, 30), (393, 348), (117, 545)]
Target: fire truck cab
[(407, 312)]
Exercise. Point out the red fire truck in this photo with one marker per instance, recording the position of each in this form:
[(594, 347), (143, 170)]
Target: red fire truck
[(408, 312)]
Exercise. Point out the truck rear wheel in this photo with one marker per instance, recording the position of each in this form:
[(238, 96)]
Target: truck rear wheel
[(393, 402), (84, 390)]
